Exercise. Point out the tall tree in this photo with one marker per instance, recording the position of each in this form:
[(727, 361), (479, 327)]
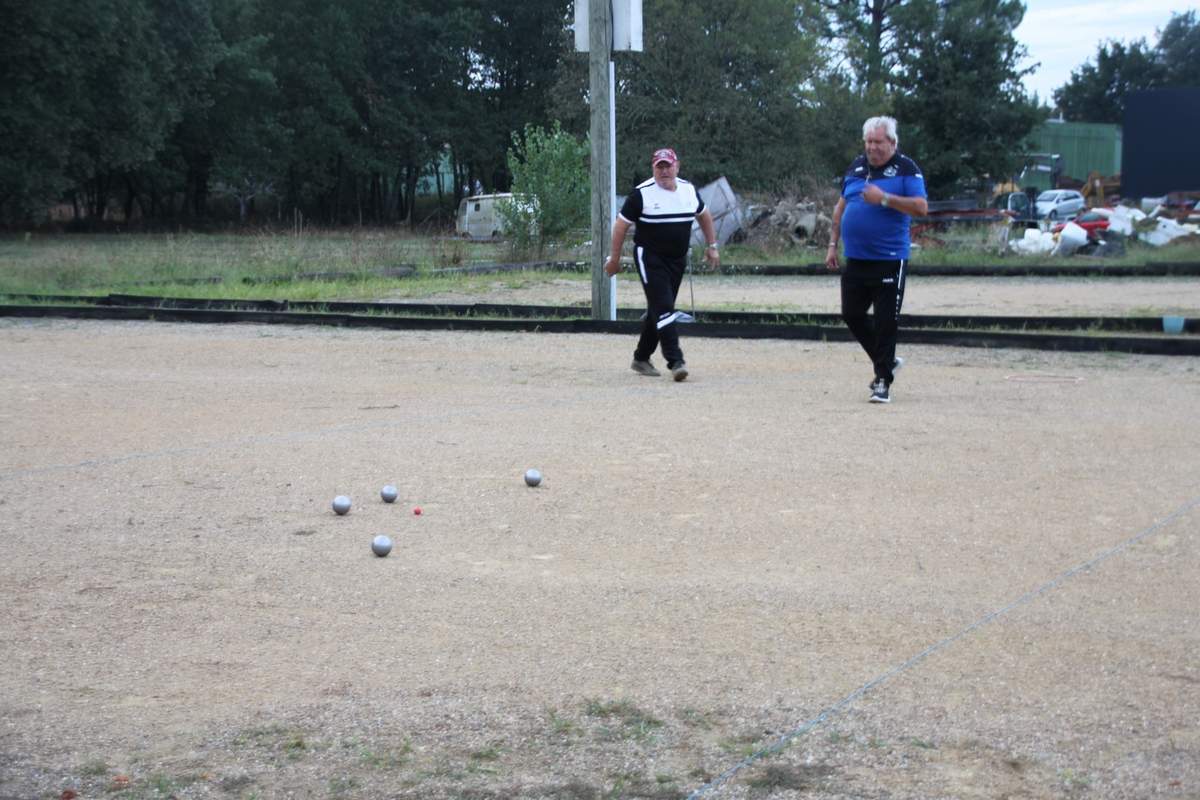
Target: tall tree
[(723, 83), (318, 56), (247, 143), (1096, 92), (1179, 50), (867, 30), (128, 111), (84, 99), (40, 102), (514, 63), (961, 105), (193, 46), (412, 102)]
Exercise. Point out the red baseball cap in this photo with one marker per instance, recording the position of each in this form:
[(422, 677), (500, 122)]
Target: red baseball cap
[(664, 154)]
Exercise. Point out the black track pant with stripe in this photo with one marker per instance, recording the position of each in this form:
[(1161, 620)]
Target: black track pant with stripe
[(661, 277), (879, 284)]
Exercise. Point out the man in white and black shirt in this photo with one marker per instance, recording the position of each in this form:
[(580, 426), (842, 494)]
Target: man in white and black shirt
[(663, 209)]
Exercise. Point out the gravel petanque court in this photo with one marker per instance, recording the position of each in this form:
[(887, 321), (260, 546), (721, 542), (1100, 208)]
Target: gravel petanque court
[(704, 570)]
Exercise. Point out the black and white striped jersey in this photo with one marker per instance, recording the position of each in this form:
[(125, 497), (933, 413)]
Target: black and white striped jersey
[(663, 218)]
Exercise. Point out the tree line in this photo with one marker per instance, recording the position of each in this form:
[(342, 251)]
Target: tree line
[(1096, 91), (191, 111)]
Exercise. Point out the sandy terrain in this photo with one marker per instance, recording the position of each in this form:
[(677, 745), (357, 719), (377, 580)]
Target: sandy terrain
[(707, 568)]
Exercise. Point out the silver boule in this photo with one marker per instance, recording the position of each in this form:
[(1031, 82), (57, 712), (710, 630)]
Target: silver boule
[(532, 477), (389, 493), (381, 546), (341, 505)]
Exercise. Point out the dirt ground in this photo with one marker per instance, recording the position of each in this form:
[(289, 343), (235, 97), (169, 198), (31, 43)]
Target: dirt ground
[(924, 295), (754, 558)]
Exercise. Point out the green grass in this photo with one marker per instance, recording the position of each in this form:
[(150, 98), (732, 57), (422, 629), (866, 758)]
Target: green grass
[(490, 753), (1136, 254), (743, 745), (114, 262), (633, 785), (159, 785), (562, 726), (623, 720), (275, 265), (696, 718), (386, 758), (624, 711)]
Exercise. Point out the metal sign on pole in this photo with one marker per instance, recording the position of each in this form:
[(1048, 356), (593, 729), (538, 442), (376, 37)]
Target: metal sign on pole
[(626, 25), (601, 27)]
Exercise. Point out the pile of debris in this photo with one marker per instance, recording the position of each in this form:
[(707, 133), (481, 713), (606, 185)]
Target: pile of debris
[(1123, 224), (790, 222)]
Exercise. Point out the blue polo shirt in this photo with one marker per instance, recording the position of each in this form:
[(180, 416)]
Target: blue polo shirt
[(871, 231)]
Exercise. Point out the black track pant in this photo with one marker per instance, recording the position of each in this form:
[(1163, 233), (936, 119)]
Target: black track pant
[(879, 284), (661, 277)]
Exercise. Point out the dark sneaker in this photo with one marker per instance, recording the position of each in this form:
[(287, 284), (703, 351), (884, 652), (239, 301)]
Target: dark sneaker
[(644, 368), (879, 392), (897, 363), (679, 372)]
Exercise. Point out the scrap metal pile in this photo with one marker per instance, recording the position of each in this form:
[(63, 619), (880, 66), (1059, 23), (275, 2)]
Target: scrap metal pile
[(790, 222), (1104, 231)]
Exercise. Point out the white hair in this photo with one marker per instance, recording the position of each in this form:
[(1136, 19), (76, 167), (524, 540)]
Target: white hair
[(887, 123)]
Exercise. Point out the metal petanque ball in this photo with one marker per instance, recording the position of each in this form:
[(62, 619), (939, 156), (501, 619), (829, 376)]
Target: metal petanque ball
[(532, 477), (341, 505), (388, 493), (381, 546)]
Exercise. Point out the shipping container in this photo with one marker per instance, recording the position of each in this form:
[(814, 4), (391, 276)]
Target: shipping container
[(1081, 147)]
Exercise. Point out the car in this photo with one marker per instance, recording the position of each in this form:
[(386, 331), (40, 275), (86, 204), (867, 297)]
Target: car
[(1092, 221), (1059, 203)]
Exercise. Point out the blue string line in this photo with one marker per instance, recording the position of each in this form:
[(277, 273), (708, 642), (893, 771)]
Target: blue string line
[(805, 727)]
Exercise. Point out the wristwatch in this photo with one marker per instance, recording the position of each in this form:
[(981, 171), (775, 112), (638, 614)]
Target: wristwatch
[(714, 246), (884, 201)]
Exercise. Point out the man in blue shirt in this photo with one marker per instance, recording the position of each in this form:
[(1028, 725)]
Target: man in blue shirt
[(881, 191)]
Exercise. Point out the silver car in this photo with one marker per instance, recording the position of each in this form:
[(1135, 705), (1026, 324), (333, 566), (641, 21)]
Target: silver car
[(1059, 203)]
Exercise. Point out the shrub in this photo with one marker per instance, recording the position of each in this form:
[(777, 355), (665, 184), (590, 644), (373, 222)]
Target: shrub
[(551, 187)]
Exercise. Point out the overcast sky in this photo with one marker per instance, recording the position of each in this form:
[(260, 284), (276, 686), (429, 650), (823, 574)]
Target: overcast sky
[(1063, 34)]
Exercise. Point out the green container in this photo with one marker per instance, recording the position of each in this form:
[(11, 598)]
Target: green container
[(1084, 147)]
